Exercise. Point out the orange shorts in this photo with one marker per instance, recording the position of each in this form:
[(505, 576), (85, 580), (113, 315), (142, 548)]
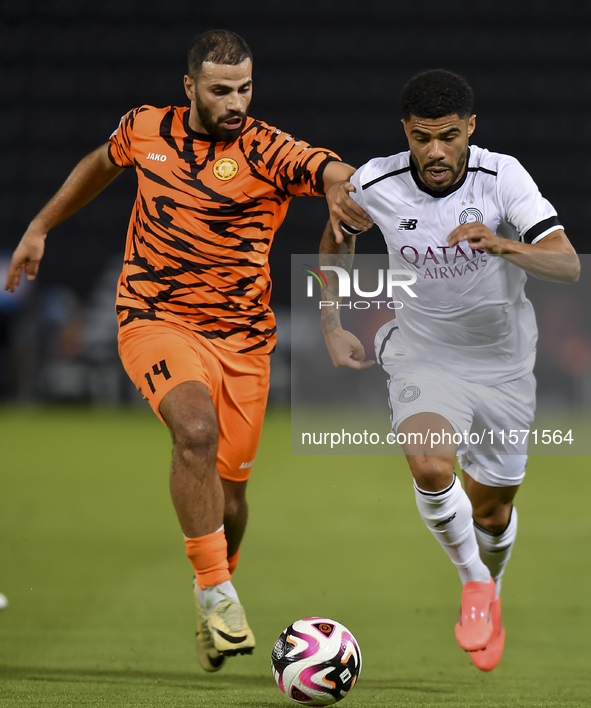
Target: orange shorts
[(160, 355)]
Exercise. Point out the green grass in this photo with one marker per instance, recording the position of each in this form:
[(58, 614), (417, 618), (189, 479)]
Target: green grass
[(101, 612)]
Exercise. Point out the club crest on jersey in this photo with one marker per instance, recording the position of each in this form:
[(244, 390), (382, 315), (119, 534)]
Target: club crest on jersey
[(225, 168), (471, 215)]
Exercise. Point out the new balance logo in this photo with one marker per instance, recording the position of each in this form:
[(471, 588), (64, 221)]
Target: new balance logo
[(408, 225), (155, 156)]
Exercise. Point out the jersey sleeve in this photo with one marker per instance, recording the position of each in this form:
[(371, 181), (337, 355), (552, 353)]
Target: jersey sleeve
[(358, 197), (295, 166), (532, 216), (120, 149)]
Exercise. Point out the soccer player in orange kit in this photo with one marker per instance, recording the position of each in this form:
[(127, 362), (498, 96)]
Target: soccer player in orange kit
[(195, 326)]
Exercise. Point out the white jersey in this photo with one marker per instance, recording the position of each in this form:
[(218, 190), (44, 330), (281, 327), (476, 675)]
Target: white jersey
[(470, 315)]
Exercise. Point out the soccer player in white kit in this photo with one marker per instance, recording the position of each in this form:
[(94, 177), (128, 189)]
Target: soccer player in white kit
[(460, 354)]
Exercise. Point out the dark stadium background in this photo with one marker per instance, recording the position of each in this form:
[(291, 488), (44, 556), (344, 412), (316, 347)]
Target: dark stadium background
[(328, 72)]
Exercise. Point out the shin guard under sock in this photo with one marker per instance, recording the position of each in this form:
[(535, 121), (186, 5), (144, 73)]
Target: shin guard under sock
[(448, 515), (208, 556), (495, 548)]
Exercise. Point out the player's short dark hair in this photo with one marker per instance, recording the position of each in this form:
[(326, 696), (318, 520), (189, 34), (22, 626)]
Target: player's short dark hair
[(437, 93), (218, 47)]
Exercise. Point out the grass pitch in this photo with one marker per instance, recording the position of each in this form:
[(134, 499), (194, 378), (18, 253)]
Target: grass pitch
[(101, 613)]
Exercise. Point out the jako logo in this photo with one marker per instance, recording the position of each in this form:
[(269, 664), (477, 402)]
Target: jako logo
[(154, 156), (391, 278)]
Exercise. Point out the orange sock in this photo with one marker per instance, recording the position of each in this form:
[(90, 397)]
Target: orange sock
[(233, 562), (208, 556)]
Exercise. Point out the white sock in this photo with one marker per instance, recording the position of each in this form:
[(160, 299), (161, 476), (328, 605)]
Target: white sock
[(448, 515), (214, 594), (495, 548)]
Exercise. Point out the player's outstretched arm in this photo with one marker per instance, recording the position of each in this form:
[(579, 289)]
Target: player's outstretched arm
[(343, 210), (344, 348), (90, 176), (551, 258)]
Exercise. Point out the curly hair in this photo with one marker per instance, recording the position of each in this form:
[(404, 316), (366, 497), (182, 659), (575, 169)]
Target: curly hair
[(437, 93), (218, 47)]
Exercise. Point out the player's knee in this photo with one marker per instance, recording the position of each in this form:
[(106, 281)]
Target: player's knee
[(493, 516), (431, 473), (234, 508), (196, 439)]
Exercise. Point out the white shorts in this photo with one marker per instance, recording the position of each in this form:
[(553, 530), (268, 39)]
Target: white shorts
[(491, 422)]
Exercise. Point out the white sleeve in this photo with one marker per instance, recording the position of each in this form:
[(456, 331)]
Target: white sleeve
[(532, 216), (356, 196)]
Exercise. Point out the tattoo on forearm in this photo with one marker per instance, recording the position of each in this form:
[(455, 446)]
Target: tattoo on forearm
[(340, 255)]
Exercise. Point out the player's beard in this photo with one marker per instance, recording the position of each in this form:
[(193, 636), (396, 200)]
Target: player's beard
[(215, 127), (456, 174)]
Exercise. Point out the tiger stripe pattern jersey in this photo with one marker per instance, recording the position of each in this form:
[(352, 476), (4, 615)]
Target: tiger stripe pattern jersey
[(204, 220)]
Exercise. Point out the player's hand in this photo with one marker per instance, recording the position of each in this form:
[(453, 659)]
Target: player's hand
[(26, 258), (478, 236), (345, 210), (345, 350)]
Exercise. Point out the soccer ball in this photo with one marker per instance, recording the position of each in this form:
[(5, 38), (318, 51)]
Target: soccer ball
[(316, 661)]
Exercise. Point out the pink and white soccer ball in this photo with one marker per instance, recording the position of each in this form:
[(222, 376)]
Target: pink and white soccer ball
[(316, 661)]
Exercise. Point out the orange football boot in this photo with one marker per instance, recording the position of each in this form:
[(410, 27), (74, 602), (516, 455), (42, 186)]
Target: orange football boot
[(474, 628), (486, 659)]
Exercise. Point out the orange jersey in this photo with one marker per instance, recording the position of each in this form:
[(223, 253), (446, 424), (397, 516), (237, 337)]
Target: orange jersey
[(204, 220)]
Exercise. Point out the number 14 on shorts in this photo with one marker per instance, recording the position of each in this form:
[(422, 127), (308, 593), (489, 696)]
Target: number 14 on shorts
[(159, 369)]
